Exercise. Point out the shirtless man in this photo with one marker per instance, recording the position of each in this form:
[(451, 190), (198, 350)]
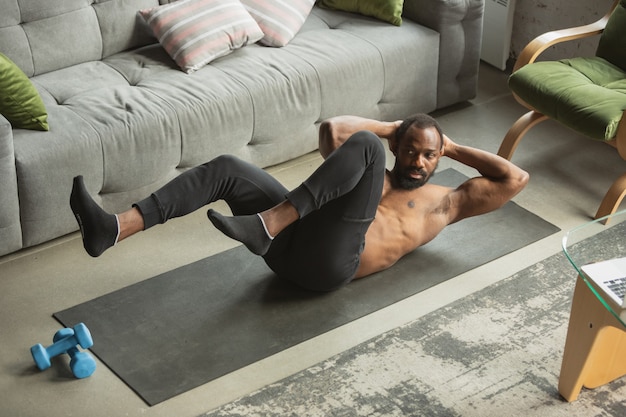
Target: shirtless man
[(349, 219)]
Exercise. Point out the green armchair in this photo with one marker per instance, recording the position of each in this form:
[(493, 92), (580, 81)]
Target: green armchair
[(587, 95)]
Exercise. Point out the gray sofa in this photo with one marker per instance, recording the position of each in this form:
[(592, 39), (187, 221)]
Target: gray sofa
[(122, 114)]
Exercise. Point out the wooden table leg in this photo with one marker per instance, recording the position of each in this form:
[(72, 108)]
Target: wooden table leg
[(595, 348)]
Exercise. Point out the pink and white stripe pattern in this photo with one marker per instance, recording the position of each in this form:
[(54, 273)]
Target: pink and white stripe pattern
[(279, 20), (195, 32)]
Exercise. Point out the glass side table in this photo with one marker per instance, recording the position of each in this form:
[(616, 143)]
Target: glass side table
[(595, 348)]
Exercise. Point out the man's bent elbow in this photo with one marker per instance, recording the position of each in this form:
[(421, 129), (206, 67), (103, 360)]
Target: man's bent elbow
[(521, 180), (328, 138), (325, 142)]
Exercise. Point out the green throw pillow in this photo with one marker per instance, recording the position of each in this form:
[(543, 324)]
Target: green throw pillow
[(387, 10), (20, 102)]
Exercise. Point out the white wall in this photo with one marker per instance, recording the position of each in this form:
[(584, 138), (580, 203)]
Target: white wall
[(534, 17)]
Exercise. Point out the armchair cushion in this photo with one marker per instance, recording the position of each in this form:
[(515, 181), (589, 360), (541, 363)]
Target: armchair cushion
[(586, 94)]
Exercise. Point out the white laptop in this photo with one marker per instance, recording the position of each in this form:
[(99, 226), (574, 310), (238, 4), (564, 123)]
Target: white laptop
[(610, 277)]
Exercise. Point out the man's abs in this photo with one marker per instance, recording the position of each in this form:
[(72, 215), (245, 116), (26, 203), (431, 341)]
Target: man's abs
[(393, 234), (386, 241)]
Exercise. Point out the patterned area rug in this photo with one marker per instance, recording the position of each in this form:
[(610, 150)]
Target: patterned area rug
[(495, 353)]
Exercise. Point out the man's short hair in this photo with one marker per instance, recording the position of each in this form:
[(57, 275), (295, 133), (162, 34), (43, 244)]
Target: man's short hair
[(421, 121)]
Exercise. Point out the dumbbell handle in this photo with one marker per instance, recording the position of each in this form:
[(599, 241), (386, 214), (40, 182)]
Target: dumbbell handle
[(62, 333), (61, 346), (81, 363)]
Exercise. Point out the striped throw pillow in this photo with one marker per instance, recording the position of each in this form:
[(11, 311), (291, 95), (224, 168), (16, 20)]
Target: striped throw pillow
[(195, 32), (279, 20)]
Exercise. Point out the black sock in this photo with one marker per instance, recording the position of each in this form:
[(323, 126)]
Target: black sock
[(99, 229), (249, 230)]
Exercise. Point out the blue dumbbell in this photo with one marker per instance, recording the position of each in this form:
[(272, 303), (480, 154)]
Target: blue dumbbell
[(43, 355), (82, 364)]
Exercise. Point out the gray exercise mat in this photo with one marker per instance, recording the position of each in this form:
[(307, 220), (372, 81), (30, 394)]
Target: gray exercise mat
[(186, 327)]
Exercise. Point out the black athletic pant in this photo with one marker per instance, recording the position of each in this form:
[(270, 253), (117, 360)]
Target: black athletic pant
[(336, 205)]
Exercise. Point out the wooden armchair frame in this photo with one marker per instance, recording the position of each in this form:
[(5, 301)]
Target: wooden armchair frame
[(529, 54)]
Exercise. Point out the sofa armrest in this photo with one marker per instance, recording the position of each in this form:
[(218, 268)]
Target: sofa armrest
[(10, 229), (459, 23)]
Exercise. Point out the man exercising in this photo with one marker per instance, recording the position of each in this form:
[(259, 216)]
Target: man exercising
[(349, 219)]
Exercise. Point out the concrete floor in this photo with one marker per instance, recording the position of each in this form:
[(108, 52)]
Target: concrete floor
[(569, 176)]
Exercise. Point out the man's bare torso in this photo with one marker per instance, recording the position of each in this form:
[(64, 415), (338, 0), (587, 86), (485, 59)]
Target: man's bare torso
[(405, 220)]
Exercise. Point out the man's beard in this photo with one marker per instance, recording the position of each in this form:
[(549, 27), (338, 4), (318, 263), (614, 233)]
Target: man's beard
[(406, 182)]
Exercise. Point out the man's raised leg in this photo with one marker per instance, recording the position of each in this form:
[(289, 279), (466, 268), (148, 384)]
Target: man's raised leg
[(333, 179), (246, 189)]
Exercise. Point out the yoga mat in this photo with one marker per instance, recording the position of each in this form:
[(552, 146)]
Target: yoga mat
[(181, 329)]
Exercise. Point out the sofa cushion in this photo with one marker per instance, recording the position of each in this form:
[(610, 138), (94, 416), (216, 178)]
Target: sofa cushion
[(122, 28), (20, 102), (387, 10), (43, 166), (279, 20), (32, 31), (195, 32), (365, 53)]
